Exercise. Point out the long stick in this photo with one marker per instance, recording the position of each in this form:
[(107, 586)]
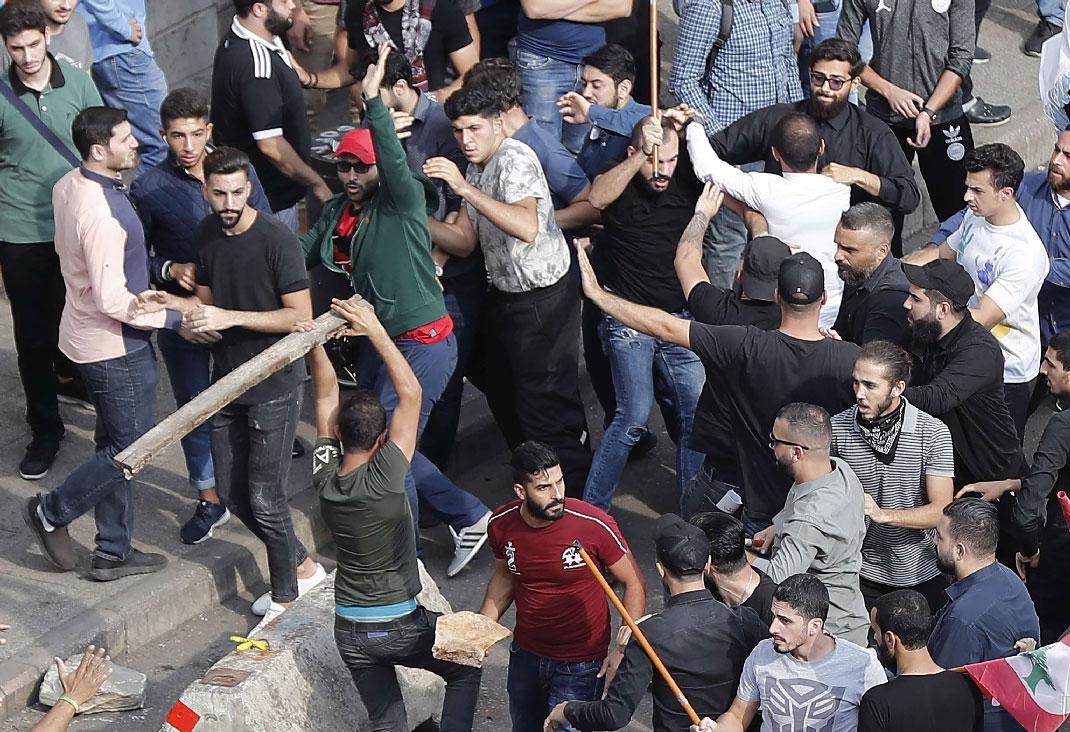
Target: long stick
[(643, 642), (654, 96), (274, 358)]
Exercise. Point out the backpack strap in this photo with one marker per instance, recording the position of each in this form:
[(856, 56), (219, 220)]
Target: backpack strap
[(42, 129), (723, 32)]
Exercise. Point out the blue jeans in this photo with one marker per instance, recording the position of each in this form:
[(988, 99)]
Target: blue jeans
[(643, 368), (1051, 11), (536, 685), (722, 245), (1054, 305), (252, 447), (544, 81), (123, 391), (132, 81), (433, 364), (189, 370)]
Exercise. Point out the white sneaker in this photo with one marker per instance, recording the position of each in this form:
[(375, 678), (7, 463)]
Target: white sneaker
[(260, 605), (274, 610), (467, 541)]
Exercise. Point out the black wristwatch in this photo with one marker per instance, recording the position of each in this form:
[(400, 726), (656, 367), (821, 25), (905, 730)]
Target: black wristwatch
[(929, 111)]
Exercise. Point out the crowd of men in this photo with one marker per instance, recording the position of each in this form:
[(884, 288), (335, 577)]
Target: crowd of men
[(848, 421)]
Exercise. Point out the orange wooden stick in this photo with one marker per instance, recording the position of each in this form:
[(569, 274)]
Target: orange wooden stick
[(654, 70), (643, 642)]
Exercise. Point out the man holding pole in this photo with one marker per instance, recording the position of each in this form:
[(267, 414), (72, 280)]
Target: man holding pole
[(702, 644), (562, 617)]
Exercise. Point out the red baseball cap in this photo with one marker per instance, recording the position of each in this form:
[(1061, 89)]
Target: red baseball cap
[(357, 143)]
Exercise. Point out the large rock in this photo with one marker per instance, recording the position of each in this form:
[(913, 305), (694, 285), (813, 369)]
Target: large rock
[(123, 690), (300, 683), (465, 637)]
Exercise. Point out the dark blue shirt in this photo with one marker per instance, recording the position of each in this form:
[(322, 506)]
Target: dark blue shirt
[(611, 134), (170, 203), (563, 174), (561, 40), (988, 612)]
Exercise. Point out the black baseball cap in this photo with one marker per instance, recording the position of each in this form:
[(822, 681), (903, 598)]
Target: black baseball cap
[(946, 276), (680, 547), (801, 280), (761, 267)]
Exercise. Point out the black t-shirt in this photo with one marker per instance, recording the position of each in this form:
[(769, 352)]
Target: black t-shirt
[(757, 372), (761, 599), (641, 232), (251, 272), (712, 432), (255, 95), (947, 701), (449, 33)]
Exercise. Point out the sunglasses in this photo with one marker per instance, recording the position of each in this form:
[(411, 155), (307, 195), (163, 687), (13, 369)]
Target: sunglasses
[(774, 441), (819, 80), (344, 166)]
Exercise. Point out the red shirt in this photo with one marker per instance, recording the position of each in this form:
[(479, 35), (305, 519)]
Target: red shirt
[(561, 611)]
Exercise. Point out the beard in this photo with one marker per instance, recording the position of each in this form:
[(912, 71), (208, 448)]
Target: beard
[(1059, 182), (924, 331), (944, 565), (826, 108), (881, 410), (887, 659), (357, 193), (543, 512), (229, 219), (851, 276), (276, 24)]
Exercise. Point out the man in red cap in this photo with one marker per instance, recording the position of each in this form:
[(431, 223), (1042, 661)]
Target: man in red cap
[(376, 232)]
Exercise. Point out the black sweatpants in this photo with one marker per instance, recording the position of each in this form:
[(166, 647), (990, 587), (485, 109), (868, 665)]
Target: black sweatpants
[(530, 355), (1017, 397)]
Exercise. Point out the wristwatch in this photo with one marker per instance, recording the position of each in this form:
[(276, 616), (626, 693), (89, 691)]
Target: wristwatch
[(929, 111), (438, 270)]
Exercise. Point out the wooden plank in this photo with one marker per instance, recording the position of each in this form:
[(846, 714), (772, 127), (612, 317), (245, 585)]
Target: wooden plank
[(186, 419)]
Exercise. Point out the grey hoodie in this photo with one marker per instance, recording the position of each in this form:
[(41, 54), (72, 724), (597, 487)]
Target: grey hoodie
[(914, 41)]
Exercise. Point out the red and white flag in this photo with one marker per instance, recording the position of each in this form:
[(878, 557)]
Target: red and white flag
[(1033, 687)]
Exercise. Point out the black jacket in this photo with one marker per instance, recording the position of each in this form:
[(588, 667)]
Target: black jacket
[(874, 309)]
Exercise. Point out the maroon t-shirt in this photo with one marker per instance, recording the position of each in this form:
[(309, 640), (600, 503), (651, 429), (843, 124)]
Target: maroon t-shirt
[(561, 611)]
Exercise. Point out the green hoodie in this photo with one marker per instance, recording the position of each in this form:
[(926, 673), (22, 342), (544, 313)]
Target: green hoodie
[(391, 248)]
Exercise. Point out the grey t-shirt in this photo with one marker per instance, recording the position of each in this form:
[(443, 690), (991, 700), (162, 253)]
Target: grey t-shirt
[(818, 695), (820, 530), (511, 175), (72, 45)]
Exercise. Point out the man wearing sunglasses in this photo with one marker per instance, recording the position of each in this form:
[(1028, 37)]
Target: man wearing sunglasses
[(822, 525), (376, 232)]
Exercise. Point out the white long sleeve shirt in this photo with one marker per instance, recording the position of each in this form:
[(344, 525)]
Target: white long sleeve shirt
[(802, 209)]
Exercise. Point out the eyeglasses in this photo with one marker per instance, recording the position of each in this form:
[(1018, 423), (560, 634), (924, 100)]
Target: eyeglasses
[(819, 80), (344, 166), (774, 441)]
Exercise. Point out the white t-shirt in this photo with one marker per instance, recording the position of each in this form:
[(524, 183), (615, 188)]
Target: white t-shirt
[(802, 209), (800, 695), (1009, 264)]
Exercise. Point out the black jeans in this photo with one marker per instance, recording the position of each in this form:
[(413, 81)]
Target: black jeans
[(531, 356), (35, 290), (1017, 397), (251, 449), (372, 650), (932, 590), (941, 163)]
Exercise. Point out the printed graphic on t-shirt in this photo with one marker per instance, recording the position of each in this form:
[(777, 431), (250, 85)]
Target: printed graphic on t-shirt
[(800, 705), (323, 456), (510, 556), (570, 558)]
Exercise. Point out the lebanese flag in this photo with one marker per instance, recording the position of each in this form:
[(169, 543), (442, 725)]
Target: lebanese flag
[(1033, 687)]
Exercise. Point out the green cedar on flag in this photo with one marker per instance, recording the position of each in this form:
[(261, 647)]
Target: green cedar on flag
[(1033, 687)]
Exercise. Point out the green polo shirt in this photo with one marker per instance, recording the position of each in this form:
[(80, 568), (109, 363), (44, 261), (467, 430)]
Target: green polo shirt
[(29, 166)]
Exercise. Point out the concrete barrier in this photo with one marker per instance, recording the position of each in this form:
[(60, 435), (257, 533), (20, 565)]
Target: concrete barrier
[(300, 683)]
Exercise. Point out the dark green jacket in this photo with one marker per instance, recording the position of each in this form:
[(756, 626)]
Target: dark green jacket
[(391, 249)]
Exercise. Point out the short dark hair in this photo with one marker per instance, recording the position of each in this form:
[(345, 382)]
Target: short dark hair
[(936, 297), (797, 139), (16, 17), (531, 458), (809, 419), (1001, 161), (837, 49), (184, 103), (667, 129), (498, 76), (905, 613), (869, 216), (473, 99), (244, 7), (726, 536), (397, 68), (94, 126), (1060, 343), (614, 61), (226, 161), (895, 361), (975, 523), (361, 419), (806, 594)]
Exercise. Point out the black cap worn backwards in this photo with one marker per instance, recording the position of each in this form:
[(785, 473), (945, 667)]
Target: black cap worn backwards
[(801, 280), (946, 276), (681, 547), (761, 267)]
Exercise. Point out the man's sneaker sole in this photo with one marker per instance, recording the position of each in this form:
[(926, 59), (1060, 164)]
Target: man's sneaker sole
[(453, 571), (36, 476), (990, 124), (39, 532), (219, 522), (114, 573)]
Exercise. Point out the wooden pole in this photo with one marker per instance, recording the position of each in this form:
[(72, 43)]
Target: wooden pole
[(654, 95), (274, 358), (643, 642)]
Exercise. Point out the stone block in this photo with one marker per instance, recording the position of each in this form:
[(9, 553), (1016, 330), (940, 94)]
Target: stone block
[(465, 637), (122, 691)]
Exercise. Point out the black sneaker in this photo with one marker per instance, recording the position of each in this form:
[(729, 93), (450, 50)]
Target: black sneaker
[(56, 544), (647, 442), (40, 454), (73, 392), (985, 114), (981, 56), (138, 562), (298, 450), (204, 520), (1041, 33)]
